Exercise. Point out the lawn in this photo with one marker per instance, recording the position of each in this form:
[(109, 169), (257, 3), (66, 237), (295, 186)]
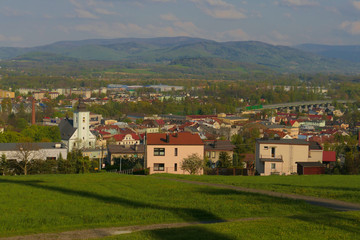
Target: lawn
[(340, 187), (337, 225), (53, 203)]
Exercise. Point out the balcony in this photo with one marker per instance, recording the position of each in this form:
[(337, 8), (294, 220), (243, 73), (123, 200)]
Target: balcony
[(271, 158)]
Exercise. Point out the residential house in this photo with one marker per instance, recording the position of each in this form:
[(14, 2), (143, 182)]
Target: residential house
[(165, 152), (127, 139), (280, 156), (213, 148), (125, 151)]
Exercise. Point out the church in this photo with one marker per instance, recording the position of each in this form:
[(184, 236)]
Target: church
[(75, 133)]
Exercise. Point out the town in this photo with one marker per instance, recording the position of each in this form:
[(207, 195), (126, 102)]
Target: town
[(308, 137)]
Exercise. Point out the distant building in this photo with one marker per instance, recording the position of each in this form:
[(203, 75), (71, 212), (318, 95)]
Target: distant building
[(40, 150), (213, 148), (7, 94), (75, 133)]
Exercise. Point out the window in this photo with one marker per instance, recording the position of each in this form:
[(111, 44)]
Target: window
[(266, 147), (50, 158), (159, 151), (83, 119), (175, 167), (208, 154), (159, 166), (273, 166), (213, 154), (273, 152), (176, 151)]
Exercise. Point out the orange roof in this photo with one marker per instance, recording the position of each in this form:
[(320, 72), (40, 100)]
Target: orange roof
[(182, 138)]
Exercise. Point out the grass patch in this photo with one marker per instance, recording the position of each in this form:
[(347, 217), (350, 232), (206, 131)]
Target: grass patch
[(323, 226), (51, 203), (340, 187)]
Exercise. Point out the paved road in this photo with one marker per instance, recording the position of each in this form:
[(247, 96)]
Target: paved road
[(324, 202)]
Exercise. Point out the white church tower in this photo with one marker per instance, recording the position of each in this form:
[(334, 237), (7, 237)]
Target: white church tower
[(76, 133), (82, 122)]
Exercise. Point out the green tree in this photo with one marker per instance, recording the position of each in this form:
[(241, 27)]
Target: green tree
[(4, 165), (225, 160), (192, 164)]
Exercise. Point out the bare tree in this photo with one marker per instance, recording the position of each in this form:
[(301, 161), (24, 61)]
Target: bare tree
[(26, 153)]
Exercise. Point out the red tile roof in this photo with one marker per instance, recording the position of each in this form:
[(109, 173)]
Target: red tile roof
[(182, 138), (120, 137)]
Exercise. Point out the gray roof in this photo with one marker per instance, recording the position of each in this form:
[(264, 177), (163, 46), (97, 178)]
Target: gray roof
[(219, 145), (310, 164), (66, 129), (315, 145), (114, 149), (284, 141), (35, 145)]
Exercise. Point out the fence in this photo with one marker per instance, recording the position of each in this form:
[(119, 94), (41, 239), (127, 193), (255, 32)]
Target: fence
[(228, 171)]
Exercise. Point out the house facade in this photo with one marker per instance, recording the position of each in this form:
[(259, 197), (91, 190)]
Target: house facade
[(281, 156), (38, 151), (213, 148), (165, 152)]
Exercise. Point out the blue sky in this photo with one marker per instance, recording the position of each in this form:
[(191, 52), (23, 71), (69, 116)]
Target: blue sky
[(27, 23)]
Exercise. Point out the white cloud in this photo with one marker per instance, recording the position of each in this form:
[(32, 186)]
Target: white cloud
[(351, 27), (356, 4), (169, 17), (233, 35), (104, 11), (4, 38), (219, 9), (10, 12), (82, 13), (298, 3), (115, 30), (225, 13)]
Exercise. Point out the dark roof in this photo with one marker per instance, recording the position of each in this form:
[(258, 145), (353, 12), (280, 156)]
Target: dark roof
[(113, 149), (310, 164), (219, 145), (35, 145), (66, 129), (182, 138), (315, 145), (284, 141)]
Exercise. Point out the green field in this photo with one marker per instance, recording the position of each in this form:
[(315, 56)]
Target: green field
[(322, 226), (340, 187), (50, 203)]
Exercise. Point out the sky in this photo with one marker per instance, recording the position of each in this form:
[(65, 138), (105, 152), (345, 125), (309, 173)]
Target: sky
[(280, 22)]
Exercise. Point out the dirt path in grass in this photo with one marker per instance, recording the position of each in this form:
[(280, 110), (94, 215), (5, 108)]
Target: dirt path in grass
[(105, 232), (323, 202)]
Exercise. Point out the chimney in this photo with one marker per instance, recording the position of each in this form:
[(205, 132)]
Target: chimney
[(167, 138), (33, 121)]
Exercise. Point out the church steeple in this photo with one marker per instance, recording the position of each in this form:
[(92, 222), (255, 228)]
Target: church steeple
[(81, 106)]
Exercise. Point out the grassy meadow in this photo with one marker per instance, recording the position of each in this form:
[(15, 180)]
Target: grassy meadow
[(338, 225), (340, 187), (54, 203)]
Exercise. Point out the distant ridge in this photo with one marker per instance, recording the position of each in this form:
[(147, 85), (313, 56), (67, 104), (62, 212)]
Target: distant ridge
[(346, 52), (167, 50)]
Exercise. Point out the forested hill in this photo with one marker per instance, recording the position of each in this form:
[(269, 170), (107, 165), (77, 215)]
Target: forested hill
[(169, 50)]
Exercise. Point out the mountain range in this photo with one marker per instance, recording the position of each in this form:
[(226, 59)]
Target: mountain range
[(307, 58)]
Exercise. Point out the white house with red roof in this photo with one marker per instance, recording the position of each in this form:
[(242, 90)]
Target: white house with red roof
[(165, 152), (127, 139)]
